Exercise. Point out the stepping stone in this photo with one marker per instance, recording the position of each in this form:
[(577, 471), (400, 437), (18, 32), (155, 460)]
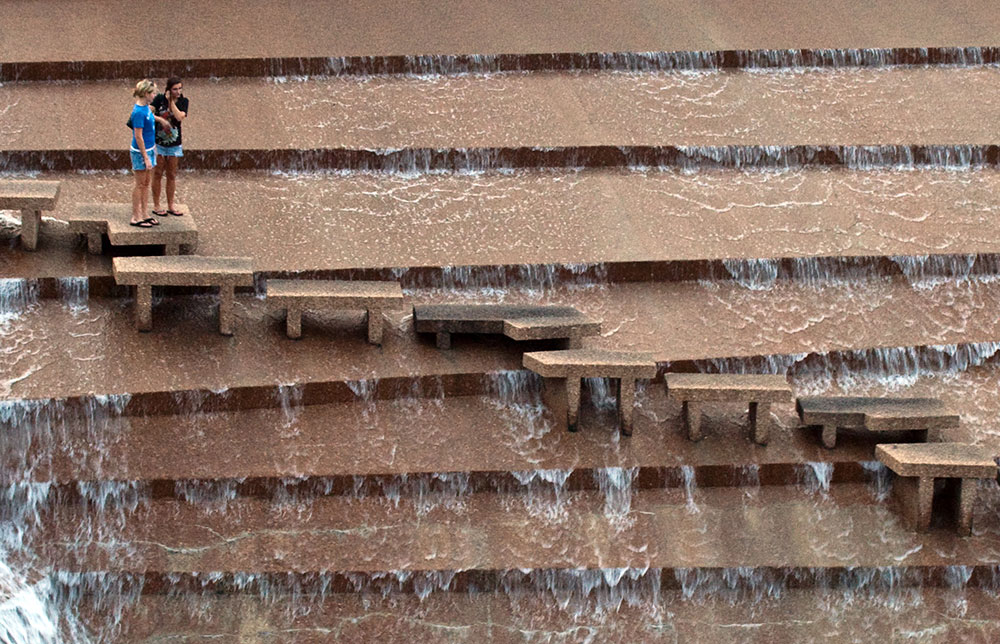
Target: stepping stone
[(31, 198), (918, 465), (875, 415), (183, 270), (296, 295), (570, 366), (516, 321), (95, 220), (693, 390)]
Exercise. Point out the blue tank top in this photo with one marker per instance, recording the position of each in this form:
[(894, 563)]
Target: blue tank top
[(142, 117)]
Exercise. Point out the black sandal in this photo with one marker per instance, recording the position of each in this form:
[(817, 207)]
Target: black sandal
[(175, 214), (141, 224), (152, 221)]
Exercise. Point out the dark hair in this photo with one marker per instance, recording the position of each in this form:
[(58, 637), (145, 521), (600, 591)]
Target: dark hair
[(173, 80)]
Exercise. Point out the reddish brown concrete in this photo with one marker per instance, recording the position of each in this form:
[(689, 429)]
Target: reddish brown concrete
[(324, 222), (230, 29), (418, 435), (900, 106), (934, 615), (98, 352), (718, 527)]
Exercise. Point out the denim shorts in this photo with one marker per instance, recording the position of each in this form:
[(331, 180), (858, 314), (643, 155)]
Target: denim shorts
[(137, 163), (172, 151)]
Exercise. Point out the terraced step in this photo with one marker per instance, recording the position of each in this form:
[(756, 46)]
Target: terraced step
[(771, 527), (477, 440), (628, 611), (594, 115), (721, 325), (453, 27), (319, 222)]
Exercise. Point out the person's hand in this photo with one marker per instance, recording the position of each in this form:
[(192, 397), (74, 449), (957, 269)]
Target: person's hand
[(148, 163)]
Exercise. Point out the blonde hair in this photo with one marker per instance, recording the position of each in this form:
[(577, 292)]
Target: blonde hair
[(143, 87)]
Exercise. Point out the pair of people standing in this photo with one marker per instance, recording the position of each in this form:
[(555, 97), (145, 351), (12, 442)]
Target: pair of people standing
[(156, 136)]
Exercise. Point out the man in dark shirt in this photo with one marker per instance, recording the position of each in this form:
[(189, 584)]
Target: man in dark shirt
[(173, 106)]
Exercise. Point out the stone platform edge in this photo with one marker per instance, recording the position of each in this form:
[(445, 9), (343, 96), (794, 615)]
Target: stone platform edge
[(101, 282), (846, 468), (525, 158), (855, 578), (13, 71), (474, 383)]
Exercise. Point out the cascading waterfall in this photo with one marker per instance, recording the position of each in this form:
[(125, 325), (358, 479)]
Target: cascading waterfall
[(543, 492), (74, 293), (16, 297), (497, 283), (616, 484), (816, 477)]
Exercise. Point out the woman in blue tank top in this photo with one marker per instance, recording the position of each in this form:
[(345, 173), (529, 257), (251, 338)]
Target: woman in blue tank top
[(143, 151)]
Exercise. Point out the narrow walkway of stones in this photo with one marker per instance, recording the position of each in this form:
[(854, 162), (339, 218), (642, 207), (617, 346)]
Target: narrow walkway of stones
[(58, 351)]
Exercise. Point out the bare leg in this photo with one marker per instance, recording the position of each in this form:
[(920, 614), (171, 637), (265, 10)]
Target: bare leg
[(293, 322), (572, 402), (626, 403), (140, 193), (31, 221), (144, 308), (226, 296), (157, 182), (692, 419), (171, 168), (375, 324)]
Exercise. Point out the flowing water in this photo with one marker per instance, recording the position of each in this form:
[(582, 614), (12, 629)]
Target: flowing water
[(358, 498)]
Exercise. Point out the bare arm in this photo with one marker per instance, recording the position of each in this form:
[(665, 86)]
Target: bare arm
[(178, 114), (142, 147)]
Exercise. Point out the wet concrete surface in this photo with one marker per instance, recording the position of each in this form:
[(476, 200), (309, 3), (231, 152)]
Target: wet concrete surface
[(321, 221), (766, 527), (880, 106), (230, 29), (61, 351), (925, 615)]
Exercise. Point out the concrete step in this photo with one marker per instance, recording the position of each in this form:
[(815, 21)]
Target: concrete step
[(772, 527), (624, 612), (480, 438), (260, 30), (905, 107), (723, 326), (319, 222)]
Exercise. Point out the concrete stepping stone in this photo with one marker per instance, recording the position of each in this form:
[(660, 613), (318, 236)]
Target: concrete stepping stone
[(693, 390), (917, 465), (31, 198), (94, 220), (516, 321), (568, 367), (296, 295), (183, 270), (875, 414)]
